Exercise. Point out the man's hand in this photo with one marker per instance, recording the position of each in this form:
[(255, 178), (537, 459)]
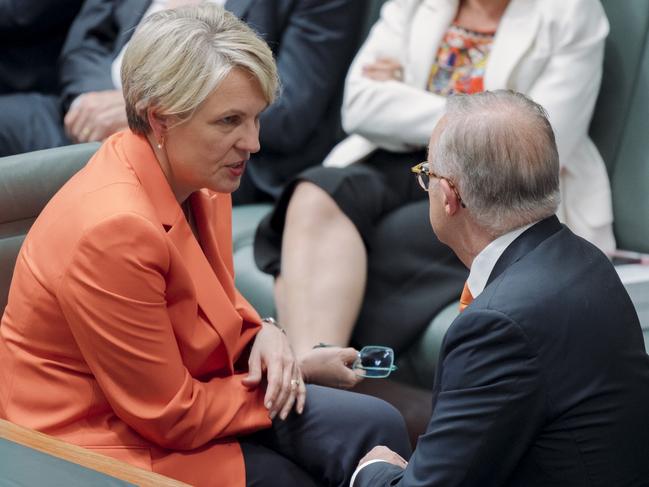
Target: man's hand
[(271, 354), (330, 366), (384, 69), (96, 115), (385, 454)]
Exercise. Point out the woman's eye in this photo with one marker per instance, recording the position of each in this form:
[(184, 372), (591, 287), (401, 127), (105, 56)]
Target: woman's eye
[(231, 120)]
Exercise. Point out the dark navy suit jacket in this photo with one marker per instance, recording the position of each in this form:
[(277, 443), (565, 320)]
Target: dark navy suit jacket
[(32, 33), (313, 42), (542, 381)]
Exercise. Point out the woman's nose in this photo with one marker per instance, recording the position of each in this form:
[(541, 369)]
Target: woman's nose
[(250, 139)]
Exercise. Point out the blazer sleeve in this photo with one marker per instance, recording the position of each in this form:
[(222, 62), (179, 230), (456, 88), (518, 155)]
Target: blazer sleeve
[(568, 85), (391, 114), (489, 403), (313, 55), (113, 297), (92, 44)]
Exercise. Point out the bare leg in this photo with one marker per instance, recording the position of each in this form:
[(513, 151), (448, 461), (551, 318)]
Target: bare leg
[(323, 272)]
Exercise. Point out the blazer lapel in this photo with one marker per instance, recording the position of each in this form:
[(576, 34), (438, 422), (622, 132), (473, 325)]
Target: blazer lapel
[(239, 7), (212, 279), (525, 243), (429, 25), (515, 35)]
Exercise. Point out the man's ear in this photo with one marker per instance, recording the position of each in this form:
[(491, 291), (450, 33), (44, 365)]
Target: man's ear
[(451, 200), (157, 122)]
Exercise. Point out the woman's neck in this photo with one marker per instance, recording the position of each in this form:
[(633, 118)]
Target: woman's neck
[(481, 15)]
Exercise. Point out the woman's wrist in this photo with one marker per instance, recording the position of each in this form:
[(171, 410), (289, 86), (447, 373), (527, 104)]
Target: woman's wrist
[(305, 370), (272, 321)]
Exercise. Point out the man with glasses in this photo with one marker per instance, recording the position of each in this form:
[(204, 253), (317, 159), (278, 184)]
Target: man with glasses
[(543, 378)]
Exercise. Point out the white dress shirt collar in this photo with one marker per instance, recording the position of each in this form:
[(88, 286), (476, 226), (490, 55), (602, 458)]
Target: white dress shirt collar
[(486, 260)]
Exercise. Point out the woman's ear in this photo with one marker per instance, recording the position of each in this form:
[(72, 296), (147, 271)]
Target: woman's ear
[(157, 122)]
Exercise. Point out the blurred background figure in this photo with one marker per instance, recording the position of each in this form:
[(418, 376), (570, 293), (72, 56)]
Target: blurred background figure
[(312, 40), (32, 33)]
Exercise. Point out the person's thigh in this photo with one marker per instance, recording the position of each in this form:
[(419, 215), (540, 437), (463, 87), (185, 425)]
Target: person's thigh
[(365, 192), (267, 468), (30, 121), (336, 429)]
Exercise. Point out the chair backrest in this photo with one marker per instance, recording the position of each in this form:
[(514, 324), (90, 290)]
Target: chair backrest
[(27, 182), (620, 128), (625, 45)]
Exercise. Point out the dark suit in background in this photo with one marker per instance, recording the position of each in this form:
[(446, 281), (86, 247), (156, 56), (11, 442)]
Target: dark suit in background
[(542, 381), (96, 38), (32, 33), (314, 42)]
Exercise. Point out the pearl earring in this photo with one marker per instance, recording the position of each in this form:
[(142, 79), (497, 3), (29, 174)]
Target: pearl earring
[(161, 142)]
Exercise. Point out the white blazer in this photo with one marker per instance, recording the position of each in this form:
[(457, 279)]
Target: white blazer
[(551, 50)]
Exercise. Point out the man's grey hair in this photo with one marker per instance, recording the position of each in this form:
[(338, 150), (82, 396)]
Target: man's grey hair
[(499, 149), (177, 57)]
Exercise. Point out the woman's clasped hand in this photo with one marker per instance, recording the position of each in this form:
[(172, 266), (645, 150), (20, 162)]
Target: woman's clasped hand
[(271, 356)]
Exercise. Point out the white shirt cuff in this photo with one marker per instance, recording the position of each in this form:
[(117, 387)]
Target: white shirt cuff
[(361, 466)]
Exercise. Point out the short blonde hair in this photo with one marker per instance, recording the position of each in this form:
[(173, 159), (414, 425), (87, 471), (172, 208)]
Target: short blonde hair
[(177, 57)]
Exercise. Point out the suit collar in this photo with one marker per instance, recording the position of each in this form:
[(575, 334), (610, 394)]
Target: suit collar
[(239, 7), (524, 244)]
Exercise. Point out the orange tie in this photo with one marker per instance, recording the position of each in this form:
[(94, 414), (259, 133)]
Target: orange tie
[(466, 298)]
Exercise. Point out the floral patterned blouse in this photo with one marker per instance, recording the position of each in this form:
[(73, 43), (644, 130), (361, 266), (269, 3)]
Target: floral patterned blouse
[(461, 61)]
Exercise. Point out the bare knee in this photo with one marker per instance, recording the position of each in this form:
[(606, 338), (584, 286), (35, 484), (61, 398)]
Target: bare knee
[(311, 205)]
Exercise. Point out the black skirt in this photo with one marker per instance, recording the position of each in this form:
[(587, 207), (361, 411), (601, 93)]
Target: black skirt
[(411, 275)]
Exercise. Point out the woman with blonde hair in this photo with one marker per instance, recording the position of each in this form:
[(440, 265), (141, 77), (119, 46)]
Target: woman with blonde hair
[(123, 323)]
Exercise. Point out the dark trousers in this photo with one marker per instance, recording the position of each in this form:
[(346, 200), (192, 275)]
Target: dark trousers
[(30, 121), (323, 446)]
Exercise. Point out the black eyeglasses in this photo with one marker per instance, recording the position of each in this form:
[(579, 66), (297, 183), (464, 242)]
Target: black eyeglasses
[(424, 175)]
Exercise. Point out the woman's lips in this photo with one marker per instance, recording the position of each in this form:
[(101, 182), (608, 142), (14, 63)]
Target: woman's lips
[(237, 168)]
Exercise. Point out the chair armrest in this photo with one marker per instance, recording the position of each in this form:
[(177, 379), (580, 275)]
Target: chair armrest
[(18, 441)]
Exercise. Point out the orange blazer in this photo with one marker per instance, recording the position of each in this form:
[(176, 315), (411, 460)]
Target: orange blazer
[(125, 334)]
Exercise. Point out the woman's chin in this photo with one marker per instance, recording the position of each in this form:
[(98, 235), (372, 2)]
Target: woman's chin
[(226, 187)]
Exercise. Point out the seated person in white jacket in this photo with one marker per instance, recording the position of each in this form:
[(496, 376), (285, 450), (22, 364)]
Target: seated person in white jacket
[(320, 237)]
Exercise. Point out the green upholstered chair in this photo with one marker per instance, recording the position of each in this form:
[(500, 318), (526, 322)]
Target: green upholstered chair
[(630, 172), (27, 182), (625, 45), (620, 129), (256, 286)]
